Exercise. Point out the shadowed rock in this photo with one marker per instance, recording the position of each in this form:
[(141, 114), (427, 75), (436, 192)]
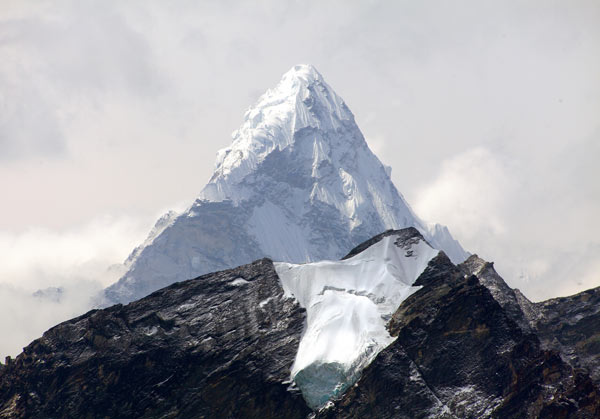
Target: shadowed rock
[(217, 346), (459, 354)]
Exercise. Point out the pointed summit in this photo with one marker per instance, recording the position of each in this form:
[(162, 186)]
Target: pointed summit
[(301, 100), (305, 88), (298, 77), (306, 73), (298, 184)]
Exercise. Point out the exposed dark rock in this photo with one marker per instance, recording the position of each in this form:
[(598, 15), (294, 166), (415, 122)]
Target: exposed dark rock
[(459, 353), (528, 308), (572, 326), (502, 293), (218, 346), (569, 325), (222, 345), (405, 235)]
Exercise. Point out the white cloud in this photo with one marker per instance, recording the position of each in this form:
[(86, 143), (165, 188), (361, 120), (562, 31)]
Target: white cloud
[(24, 316), (69, 267), (482, 197), (469, 195)]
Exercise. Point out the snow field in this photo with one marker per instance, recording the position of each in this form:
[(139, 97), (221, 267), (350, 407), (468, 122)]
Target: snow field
[(348, 304)]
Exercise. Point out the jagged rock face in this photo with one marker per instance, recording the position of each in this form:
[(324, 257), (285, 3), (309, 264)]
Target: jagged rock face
[(298, 184), (511, 300), (217, 346), (225, 345), (459, 354), (572, 326)]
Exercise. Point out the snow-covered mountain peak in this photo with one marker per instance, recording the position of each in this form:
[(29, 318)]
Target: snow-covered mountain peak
[(308, 72), (298, 184), (300, 74), (303, 97), (302, 100)]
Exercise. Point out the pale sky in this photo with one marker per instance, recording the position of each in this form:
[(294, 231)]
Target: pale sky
[(111, 113)]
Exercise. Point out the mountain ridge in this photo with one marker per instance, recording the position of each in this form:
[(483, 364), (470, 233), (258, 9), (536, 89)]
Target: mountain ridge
[(298, 184), (223, 345)]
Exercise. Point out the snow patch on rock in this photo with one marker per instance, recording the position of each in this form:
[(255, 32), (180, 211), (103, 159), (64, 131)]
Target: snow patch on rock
[(348, 304)]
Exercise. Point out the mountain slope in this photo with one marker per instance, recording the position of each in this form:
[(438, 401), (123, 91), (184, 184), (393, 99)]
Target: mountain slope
[(515, 303), (458, 354), (572, 326), (569, 325), (298, 184), (217, 346), (230, 344)]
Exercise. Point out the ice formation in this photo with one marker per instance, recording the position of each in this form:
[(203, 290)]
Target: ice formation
[(347, 305)]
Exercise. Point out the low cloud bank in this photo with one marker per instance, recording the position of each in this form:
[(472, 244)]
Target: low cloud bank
[(47, 277)]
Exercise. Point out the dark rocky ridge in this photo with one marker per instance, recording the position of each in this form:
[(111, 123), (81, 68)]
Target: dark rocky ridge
[(222, 346), (406, 235), (511, 300), (459, 354), (217, 346), (571, 325)]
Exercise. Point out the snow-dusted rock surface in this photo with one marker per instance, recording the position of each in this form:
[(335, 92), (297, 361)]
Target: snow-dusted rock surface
[(298, 184), (459, 354), (224, 345), (348, 304)]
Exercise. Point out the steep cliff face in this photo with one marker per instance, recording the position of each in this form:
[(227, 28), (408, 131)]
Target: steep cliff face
[(217, 346), (459, 354), (571, 325), (511, 300), (394, 330)]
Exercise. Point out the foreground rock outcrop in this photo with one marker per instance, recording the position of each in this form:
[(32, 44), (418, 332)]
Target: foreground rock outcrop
[(217, 346), (463, 345), (571, 325), (460, 354)]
